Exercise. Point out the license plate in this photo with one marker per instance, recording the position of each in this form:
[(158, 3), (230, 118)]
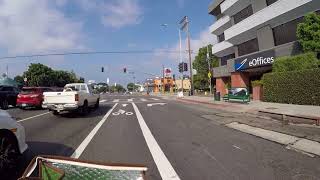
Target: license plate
[(23, 105)]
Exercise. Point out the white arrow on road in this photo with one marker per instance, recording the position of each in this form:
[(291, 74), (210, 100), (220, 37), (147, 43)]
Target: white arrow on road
[(124, 105), (152, 104)]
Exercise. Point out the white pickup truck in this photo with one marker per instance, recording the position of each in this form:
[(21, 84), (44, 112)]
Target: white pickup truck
[(75, 97)]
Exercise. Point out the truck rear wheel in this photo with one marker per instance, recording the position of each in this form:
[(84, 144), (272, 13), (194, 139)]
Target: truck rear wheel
[(96, 106)]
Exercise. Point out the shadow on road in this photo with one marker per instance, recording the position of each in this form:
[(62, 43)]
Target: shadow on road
[(91, 114), (37, 148)]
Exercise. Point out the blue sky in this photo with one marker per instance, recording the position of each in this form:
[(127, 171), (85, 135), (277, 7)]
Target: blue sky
[(32, 26)]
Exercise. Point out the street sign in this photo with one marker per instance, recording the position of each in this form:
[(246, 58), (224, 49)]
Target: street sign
[(209, 74), (25, 79), (194, 71)]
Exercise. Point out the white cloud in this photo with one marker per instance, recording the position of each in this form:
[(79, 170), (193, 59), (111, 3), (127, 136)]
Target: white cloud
[(120, 13), (202, 39), (33, 26)]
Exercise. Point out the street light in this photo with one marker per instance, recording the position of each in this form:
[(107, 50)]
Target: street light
[(180, 55)]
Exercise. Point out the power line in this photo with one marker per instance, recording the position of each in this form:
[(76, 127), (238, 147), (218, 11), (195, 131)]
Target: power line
[(89, 53)]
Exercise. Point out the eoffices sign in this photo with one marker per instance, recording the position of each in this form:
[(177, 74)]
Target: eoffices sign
[(256, 60)]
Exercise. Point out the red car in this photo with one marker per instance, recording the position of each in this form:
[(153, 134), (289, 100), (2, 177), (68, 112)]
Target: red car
[(31, 97)]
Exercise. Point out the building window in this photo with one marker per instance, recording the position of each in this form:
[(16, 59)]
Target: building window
[(286, 33), (248, 47), (221, 37), (243, 14), (269, 2), (224, 59)]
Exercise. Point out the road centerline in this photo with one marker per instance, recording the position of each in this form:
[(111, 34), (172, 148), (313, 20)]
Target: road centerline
[(33, 117), (164, 166), (77, 153)]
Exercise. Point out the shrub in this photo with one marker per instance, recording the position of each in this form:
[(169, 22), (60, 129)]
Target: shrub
[(295, 87), (295, 63), (257, 83)]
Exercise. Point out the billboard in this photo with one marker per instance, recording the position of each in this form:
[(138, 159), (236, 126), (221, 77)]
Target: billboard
[(265, 58)]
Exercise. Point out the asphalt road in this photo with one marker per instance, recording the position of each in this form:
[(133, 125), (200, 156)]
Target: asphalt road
[(171, 138)]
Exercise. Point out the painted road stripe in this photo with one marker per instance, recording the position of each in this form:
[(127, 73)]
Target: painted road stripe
[(155, 99), (33, 117), (142, 99), (116, 100), (164, 167), (77, 153), (103, 100), (130, 100)]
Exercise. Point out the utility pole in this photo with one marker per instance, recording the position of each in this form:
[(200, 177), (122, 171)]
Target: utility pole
[(209, 66)]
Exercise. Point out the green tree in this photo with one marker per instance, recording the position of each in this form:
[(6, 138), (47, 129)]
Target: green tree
[(200, 63), (41, 75), (308, 33), (117, 88), (19, 79), (131, 86)]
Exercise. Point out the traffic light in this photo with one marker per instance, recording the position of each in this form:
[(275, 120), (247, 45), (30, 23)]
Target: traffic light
[(180, 67), (102, 69), (185, 66), (124, 70)]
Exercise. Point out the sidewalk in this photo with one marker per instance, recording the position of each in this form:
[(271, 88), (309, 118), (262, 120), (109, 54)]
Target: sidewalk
[(273, 110)]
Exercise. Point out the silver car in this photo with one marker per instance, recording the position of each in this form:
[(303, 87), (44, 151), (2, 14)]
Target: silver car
[(12, 141)]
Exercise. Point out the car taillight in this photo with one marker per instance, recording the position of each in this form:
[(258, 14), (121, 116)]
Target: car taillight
[(19, 96), (76, 97), (34, 96)]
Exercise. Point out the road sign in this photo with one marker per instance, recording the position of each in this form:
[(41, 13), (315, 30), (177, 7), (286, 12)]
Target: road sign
[(209, 74), (25, 79)]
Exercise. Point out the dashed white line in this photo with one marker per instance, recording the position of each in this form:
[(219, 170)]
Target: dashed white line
[(116, 100), (77, 153), (33, 117), (130, 100), (103, 100), (164, 167), (142, 99), (155, 99)]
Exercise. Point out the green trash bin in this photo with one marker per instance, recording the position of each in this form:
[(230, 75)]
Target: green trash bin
[(217, 96)]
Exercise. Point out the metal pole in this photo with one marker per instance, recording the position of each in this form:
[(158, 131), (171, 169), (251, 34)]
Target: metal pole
[(190, 60), (209, 66), (180, 47), (163, 79)]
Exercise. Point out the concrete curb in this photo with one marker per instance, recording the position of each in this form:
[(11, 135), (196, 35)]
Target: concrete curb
[(300, 144)]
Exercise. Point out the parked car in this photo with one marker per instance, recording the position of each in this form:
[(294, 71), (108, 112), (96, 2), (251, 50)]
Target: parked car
[(31, 97), (12, 142), (8, 96), (75, 97)]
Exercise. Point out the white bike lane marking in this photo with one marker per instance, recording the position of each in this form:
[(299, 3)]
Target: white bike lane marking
[(164, 166), (33, 117), (77, 153)]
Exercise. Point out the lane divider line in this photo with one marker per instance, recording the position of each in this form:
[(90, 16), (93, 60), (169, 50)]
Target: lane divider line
[(116, 100), (103, 100), (33, 117), (164, 166), (77, 153), (155, 99)]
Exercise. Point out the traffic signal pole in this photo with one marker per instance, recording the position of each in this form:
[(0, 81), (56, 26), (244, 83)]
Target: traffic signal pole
[(180, 47)]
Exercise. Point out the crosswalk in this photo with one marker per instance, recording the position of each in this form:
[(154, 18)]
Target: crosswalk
[(133, 100)]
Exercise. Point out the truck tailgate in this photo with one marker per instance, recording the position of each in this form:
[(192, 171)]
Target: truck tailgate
[(59, 97)]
